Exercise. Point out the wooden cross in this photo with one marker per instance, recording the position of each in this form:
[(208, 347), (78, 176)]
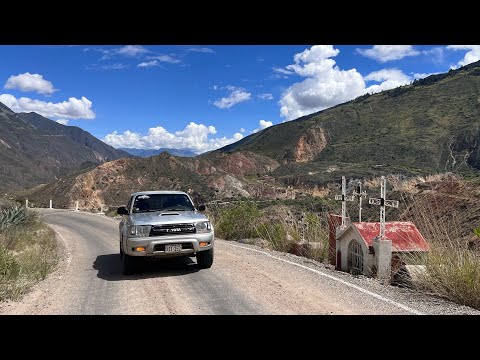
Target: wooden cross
[(382, 202), (361, 195), (344, 198)]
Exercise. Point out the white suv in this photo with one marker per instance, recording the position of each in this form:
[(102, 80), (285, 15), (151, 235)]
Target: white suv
[(164, 224)]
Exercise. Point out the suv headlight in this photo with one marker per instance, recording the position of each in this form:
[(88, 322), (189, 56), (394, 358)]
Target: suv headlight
[(139, 230), (203, 227)]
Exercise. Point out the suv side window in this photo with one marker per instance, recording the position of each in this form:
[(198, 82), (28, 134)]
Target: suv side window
[(129, 203)]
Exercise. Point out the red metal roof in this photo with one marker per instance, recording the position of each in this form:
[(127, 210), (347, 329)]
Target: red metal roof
[(404, 235)]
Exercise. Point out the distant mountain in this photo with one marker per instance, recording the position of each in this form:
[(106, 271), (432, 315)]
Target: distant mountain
[(34, 150), (428, 127), (144, 153)]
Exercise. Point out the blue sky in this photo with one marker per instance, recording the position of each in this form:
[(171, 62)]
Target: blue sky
[(204, 97)]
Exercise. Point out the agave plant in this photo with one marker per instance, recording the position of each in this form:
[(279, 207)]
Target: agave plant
[(12, 216)]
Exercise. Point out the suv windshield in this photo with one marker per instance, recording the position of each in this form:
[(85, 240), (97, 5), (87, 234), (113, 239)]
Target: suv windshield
[(162, 202)]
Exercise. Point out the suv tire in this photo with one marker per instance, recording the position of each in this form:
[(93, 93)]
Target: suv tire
[(205, 258)]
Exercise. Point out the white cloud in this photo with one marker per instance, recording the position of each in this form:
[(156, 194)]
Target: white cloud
[(262, 124), (282, 71), (170, 59), (72, 109), (194, 136), (63, 121), (242, 130), (30, 82), (423, 75), (236, 96), (131, 50), (202, 50), (327, 85), (116, 66), (384, 53), (472, 55), (436, 54), (147, 64), (388, 79), (266, 96)]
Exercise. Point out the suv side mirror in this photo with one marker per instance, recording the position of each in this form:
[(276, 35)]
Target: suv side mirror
[(122, 210), (201, 207)]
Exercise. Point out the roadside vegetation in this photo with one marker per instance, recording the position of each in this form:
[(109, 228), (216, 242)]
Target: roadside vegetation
[(277, 227), (28, 250), (452, 267)]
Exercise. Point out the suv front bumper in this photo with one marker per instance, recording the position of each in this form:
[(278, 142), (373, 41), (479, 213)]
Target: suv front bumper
[(153, 245)]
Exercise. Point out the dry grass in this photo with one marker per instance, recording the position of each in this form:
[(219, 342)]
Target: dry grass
[(452, 266), (28, 252)]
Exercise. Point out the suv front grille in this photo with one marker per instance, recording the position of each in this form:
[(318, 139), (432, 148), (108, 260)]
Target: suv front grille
[(173, 229)]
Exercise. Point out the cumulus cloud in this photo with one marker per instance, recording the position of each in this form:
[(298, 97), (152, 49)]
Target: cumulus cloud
[(194, 136), (72, 109), (266, 96), (327, 85), (204, 50), (147, 64), (262, 124), (384, 53), (242, 130), (30, 82), (388, 79), (472, 55), (63, 121), (236, 96)]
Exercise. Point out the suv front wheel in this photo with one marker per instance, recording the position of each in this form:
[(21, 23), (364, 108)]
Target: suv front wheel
[(205, 258), (128, 264)]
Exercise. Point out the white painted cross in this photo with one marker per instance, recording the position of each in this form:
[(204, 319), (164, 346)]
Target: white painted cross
[(382, 202), (51, 204), (361, 195), (344, 198)]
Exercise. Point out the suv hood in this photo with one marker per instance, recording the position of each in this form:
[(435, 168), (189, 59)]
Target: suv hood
[(170, 217)]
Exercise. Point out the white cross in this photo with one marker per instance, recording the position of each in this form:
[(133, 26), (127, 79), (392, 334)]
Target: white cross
[(344, 198), (360, 194), (382, 202)]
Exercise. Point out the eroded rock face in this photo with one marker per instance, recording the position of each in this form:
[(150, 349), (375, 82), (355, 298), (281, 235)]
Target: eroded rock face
[(310, 145), (246, 163)]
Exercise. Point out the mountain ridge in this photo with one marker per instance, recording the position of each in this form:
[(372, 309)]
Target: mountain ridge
[(36, 150), (430, 126)]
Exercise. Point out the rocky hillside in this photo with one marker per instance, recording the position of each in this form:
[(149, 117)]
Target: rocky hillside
[(431, 126), (220, 176), (35, 150)]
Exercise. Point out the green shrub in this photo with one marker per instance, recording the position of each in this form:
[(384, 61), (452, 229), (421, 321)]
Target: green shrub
[(237, 221)]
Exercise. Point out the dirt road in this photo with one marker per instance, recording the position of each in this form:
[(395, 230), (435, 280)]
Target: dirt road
[(243, 280)]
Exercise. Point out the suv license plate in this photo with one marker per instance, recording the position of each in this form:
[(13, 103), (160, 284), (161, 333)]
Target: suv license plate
[(173, 248)]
